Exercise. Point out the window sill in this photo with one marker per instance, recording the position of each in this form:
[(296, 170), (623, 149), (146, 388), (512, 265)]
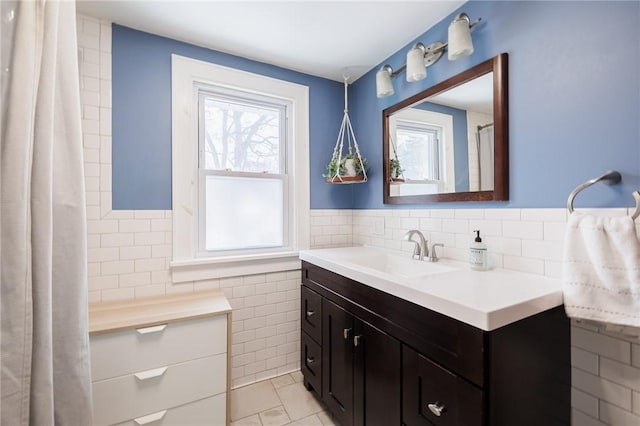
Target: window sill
[(232, 266)]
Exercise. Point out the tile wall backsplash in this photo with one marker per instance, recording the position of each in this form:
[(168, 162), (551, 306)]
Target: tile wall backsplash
[(130, 251)]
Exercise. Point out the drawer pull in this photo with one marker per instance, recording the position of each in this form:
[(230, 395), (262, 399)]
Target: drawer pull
[(310, 360), (144, 420), (436, 408), (150, 374), (346, 333), (152, 329), (356, 340), (310, 313)]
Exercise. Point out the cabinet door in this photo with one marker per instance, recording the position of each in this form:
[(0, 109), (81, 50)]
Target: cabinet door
[(337, 361), (378, 378), (432, 395)]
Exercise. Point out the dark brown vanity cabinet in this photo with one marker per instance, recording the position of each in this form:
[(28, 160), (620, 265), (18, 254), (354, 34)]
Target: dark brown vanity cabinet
[(387, 361), (311, 338), (361, 369), (360, 377)]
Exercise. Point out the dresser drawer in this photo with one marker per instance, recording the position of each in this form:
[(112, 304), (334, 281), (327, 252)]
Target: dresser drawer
[(206, 412), (311, 313), (125, 352), (432, 395), (149, 391)]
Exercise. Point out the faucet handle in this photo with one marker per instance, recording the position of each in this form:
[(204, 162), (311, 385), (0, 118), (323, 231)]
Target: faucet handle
[(433, 257), (416, 250)]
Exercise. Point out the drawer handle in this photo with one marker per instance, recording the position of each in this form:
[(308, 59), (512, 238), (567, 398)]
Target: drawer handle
[(436, 408), (152, 329), (150, 374), (346, 332), (310, 313), (144, 420), (310, 360), (356, 340)]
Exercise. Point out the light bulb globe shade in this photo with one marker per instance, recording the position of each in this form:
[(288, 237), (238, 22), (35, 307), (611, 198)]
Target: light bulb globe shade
[(416, 69), (384, 87), (460, 44)]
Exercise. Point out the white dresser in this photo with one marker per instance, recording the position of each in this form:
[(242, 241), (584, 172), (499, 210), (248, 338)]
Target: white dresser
[(161, 361)]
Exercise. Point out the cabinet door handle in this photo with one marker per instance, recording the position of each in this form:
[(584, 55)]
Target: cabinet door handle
[(346, 333), (356, 340), (150, 374), (436, 408), (152, 329), (310, 313), (144, 420), (310, 360)]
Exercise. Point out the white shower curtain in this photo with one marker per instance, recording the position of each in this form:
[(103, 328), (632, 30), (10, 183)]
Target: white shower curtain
[(44, 354), (485, 153)]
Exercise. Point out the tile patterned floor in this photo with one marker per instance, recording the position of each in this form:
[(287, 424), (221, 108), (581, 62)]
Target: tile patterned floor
[(279, 401)]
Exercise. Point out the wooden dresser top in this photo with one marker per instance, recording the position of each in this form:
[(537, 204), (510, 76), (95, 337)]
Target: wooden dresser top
[(122, 315)]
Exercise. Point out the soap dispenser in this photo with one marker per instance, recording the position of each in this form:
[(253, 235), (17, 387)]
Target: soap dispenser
[(478, 254)]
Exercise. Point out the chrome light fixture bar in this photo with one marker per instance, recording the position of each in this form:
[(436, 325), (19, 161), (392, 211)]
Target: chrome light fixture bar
[(420, 57)]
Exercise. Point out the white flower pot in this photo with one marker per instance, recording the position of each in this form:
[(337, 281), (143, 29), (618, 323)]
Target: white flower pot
[(350, 167)]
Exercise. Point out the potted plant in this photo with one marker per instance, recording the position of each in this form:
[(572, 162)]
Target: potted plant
[(349, 169), (353, 166), (333, 169), (395, 171)]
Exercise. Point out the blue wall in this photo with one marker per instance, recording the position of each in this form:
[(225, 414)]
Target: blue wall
[(574, 105), (460, 144), (574, 99), (142, 119)]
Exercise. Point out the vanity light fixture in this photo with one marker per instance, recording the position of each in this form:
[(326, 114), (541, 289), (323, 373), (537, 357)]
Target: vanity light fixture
[(420, 57), (384, 87)]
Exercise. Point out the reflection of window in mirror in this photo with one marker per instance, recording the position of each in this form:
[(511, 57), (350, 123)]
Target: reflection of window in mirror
[(424, 148), (418, 150)]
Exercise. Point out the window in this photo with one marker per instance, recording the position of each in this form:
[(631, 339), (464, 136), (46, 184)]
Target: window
[(243, 181), (419, 147), (424, 147), (240, 172)]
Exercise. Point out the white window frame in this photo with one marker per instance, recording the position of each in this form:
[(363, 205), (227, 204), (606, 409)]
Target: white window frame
[(187, 75), (445, 121), (285, 164)]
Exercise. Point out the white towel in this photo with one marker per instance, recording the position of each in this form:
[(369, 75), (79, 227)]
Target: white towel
[(601, 271)]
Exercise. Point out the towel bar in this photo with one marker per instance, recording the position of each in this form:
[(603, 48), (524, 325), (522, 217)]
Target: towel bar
[(611, 177)]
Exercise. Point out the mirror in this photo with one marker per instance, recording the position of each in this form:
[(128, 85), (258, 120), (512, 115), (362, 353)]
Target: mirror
[(450, 141)]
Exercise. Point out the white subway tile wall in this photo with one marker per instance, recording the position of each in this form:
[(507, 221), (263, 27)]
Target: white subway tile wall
[(129, 254), (129, 251)]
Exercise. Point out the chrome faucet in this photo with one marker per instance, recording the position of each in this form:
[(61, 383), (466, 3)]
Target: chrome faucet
[(421, 249), (433, 256)]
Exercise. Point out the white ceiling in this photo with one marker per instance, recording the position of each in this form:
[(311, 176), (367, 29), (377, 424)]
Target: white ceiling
[(322, 38)]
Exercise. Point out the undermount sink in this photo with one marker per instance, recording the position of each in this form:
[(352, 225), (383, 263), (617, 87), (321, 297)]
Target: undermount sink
[(397, 266)]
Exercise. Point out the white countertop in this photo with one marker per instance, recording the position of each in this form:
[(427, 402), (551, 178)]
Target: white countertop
[(484, 299)]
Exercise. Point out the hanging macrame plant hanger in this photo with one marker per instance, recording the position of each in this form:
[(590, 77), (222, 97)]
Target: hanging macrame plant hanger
[(347, 167), (396, 172)]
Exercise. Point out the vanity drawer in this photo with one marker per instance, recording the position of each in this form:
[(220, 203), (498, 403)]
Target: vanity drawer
[(206, 412), (425, 384), (125, 352), (311, 362), (131, 396), (311, 313)]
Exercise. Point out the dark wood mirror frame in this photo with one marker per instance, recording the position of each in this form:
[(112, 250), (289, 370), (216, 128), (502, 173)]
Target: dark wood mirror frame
[(497, 65)]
